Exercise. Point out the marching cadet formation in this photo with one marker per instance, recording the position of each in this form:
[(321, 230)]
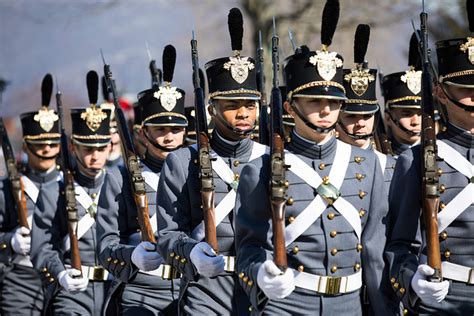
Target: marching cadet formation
[(331, 216)]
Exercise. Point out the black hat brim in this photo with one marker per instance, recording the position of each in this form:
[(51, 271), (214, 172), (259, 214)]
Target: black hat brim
[(466, 81), (237, 96), (321, 92), (166, 120), (360, 108), (91, 142)]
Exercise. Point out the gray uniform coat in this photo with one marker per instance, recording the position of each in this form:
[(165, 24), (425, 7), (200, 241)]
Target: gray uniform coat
[(118, 234), (50, 257), (405, 241), (179, 212), (313, 251)]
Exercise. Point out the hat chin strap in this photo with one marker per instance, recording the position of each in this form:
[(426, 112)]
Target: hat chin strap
[(404, 129), (467, 108), (38, 155), (158, 146), (355, 136), (234, 129), (311, 125)]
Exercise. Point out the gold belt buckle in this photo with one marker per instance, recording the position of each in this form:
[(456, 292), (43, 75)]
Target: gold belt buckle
[(333, 285), (98, 274)]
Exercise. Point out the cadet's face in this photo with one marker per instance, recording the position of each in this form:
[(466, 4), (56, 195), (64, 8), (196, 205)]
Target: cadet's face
[(409, 119), (456, 115), (169, 137), (44, 150), (93, 158), (358, 124), (321, 112), (241, 114)]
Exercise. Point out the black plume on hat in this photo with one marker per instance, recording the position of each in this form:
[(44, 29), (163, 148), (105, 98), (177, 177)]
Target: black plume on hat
[(169, 61), (329, 21), (361, 42), (236, 28), (92, 86), (46, 90), (414, 58), (470, 14)]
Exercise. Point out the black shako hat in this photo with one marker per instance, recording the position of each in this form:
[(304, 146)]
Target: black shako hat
[(233, 77), (164, 105), (403, 89), (91, 126), (317, 74), (42, 127), (360, 82), (456, 57)]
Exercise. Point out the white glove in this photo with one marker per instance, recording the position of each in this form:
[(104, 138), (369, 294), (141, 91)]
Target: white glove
[(206, 261), (21, 241), (70, 282), (428, 292), (273, 282), (145, 256)]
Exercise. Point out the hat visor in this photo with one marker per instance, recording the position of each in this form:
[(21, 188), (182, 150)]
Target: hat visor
[(237, 96), (43, 141), (321, 92), (169, 120), (406, 104), (92, 142), (360, 108), (461, 81)]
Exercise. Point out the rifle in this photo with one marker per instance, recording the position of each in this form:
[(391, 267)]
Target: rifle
[(278, 183), (263, 132), (156, 74), (382, 143), (429, 165), (204, 156), (16, 183), (65, 164), (137, 182)]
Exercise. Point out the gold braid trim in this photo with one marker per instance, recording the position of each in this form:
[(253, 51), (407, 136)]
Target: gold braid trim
[(316, 84), (96, 136), (361, 101), (164, 114), (456, 74), (407, 98), (239, 91), (42, 136)]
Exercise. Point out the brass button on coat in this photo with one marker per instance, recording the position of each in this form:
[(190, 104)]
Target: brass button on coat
[(333, 269), (331, 215), (333, 233)]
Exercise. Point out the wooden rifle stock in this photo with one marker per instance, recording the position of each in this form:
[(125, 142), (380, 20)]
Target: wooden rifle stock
[(16, 183), (429, 166), (69, 191), (278, 183), (204, 154), (137, 182)]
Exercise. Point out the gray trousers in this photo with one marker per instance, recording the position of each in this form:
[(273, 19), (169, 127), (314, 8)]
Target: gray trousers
[(221, 295), (149, 295), (21, 292), (90, 302), (305, 302)]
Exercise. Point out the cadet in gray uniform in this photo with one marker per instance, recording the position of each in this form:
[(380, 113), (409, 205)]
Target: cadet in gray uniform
[(402, 93), (405, 249), (72, 293), (22, 291), (209, 284), (358, 117), (147, 281), (333, 248)]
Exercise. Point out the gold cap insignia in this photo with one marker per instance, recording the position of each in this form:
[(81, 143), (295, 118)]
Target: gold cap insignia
[(239, 68), (93, 117), (46, 118), (326, 63), (359, 79), (468, 48), (413, 80), (168, 96)]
